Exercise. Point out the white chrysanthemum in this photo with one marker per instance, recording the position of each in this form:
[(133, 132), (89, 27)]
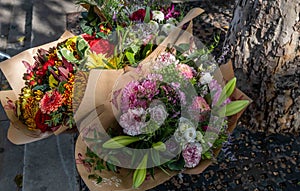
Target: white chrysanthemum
[(167, 28), (206, 78), (172, 21), (158, 16)]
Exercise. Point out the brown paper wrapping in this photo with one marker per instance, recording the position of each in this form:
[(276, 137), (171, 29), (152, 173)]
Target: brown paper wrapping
[(13, 69), (106, 117)]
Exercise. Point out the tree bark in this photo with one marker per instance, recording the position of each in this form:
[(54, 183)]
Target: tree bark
[(264, 39)]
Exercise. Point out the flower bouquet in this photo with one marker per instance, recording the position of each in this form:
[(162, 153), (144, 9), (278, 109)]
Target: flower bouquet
[(47, 102), (170, 115), (15, 69), (41, 102)]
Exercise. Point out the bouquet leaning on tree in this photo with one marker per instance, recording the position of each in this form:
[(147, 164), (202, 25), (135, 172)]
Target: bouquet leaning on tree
[(169, 115)]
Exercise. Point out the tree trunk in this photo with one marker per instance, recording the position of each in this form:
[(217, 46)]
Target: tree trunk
[(264, 39)]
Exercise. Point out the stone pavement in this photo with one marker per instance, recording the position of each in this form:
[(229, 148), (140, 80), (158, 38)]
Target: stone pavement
[(48, 164), (250, 161)]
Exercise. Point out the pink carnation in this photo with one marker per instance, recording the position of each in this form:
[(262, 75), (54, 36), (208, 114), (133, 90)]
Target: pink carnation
[(192, 154), (132, 122), (199, 104), (51, 102), (185, 70)]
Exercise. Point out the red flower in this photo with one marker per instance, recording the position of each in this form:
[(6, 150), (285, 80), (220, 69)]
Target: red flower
[(42, 70), (88, 37), (40, 119), (102, 46), (139, 15)]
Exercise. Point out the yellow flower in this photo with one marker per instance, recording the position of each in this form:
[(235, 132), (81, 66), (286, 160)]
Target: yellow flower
[(38, 95), (52, 81), (71, 41), (99, 61)]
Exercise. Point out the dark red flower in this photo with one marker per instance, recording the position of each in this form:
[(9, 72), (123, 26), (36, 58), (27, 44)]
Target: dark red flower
[(40, 121), (88, 37), (102, 46), (139, 15), (43, 69)]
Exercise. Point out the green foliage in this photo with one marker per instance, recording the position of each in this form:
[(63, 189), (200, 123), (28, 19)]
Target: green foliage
[(97, 164), (176, 164), (139, 174), (232, 108)]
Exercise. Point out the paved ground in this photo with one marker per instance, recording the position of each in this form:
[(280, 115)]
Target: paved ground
[(249, 161)]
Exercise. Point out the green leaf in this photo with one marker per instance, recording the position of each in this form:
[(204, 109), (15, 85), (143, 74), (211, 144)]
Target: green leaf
[(177, 165), (207, 155), (61, 87), (82, 46), (139, 174), (160, 146), (232, 108), (130, 57), (227, 91), (147, 16), (41, 87), (67, 54), (111, 167), (99, 179), (119, 142), (135, 48), (183, 47)]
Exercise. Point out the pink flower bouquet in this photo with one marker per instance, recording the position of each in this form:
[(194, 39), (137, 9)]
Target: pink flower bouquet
[(170, 115)]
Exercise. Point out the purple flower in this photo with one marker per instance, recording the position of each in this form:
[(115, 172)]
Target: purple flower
[(170, 12), (129, 98), (192, 154)]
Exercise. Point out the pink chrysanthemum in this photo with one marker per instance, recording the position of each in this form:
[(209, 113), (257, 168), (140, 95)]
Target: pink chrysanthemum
[(185, 70), (51, 102), (192, 154)]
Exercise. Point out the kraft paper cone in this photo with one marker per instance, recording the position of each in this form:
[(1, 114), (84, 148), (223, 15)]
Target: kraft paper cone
[(13, 69), (124, 179), (18, 133)]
